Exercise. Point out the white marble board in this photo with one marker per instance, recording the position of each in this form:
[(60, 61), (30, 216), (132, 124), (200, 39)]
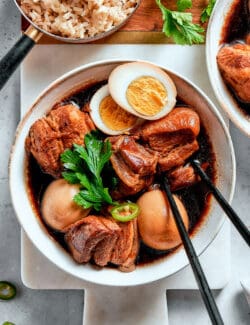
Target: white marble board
[(43, 65)]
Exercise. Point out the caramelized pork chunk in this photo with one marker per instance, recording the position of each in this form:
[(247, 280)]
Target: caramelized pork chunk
[(128, 264), (133, 164), (104, 241), (137, 157), (51, 135), (234, 65), (84, 235), (173, 137), (164, 144), (181, 122), (177, 156), (182, 177)]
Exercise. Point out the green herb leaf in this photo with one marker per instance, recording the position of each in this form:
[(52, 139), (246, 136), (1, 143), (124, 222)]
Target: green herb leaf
[(106, 196), (79, 200), (206, 13), (83, 166), (71, 160), (96, 153), (70, 177), (179, 26), (184, 4), (83, 180)]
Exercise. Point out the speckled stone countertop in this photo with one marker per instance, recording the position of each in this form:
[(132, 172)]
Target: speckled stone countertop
[(43, 307)]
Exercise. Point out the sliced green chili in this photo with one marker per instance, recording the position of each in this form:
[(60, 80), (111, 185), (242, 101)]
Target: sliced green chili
[(7, 290), (125, 212), (8, 323)]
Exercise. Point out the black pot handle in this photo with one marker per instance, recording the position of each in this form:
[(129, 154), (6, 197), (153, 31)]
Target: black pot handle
[(10, 62)]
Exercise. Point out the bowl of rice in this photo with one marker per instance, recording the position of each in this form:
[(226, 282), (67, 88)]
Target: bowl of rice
[(77, 21)]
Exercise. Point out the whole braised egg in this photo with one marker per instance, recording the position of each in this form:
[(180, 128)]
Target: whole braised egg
[(58, 209), (142, 89), (108, 116), (156, 222)]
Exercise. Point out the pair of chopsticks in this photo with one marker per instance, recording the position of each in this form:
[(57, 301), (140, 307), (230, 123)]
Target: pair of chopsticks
[(232, 215), (200, 277)]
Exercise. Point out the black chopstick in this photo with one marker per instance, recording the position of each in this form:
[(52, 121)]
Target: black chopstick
[(239, 225), (201, 280)]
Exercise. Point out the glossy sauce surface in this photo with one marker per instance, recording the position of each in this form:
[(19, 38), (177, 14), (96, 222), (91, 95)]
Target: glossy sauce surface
[(196, 199), (236, 23)]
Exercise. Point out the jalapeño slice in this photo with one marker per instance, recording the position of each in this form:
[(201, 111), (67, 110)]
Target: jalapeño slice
[(7, 290), (125, 212)]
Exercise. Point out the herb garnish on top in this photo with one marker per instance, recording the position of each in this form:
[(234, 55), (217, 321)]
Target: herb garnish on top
[(84, 165)]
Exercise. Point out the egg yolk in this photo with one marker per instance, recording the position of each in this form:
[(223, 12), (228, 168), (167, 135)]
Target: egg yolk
[(147, 95), (113, 116)]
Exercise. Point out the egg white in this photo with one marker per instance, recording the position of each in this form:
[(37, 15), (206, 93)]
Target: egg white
[(121, 77), (94, 105)]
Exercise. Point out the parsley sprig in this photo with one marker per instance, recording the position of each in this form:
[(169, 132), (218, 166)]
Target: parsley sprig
[(184, 4), (206, 13), (179, 25), (84, 165)]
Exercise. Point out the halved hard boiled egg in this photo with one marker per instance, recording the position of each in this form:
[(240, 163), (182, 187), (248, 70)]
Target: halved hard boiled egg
[(143, 90), (108, 116)]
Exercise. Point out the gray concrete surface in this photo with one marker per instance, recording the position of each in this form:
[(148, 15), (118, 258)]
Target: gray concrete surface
[(37, 307), (29, 307)]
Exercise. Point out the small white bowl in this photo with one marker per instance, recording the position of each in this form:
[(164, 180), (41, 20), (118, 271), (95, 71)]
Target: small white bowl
[(222, 146), (224, 96)]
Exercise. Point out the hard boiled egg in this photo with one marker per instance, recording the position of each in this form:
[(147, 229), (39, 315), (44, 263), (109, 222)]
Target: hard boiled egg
[(156, 221), (108, 116), (58, 208), (142, 89)]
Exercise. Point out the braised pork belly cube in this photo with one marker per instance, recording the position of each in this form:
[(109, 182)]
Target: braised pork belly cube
[(173, 137), (51, 135), (160, 145), (234, 65), (104, 241), (138, 158), (133, 164)]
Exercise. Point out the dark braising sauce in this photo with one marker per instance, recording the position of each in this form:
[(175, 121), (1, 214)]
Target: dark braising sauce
[(196, 199), (236, 23), (237, 29)]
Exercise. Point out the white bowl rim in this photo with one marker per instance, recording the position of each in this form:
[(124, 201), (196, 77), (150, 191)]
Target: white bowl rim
[(71, 73)]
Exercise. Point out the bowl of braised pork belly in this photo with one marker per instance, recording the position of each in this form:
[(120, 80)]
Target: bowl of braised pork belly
[(228, 59), (87, 164)]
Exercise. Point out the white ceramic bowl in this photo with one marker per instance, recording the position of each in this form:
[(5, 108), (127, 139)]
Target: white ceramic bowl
[(224, 96), (222, 146)]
